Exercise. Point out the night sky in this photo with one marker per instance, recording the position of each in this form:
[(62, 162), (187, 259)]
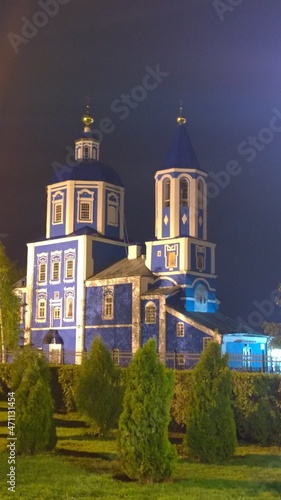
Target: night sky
[(221, 58)]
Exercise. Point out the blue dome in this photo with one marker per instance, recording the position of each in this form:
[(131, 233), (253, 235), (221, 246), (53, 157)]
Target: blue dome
[(90, 170)]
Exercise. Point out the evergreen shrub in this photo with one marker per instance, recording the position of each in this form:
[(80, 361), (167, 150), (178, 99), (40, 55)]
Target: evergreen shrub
[(210, 425), (98, 393), (35, 428), (143, 445)]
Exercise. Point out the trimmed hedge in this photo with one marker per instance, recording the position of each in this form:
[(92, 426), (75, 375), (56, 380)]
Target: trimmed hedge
[(256, 401)]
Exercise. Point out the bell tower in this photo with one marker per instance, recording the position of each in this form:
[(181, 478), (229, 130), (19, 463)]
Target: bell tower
[(181, 255)]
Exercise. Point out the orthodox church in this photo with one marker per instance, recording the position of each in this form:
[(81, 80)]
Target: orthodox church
[(85, 280)]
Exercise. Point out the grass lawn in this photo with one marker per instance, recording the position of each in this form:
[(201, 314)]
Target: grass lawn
[(83, 467)]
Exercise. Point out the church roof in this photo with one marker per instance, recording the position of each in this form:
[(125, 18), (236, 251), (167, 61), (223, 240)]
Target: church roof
[(218, 321), (90, 170), (125, 268), (181, 153)]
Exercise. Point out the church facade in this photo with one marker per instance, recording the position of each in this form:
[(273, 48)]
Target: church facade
[(85, 280)]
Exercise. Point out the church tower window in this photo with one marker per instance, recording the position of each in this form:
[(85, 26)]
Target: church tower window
[(150, 313), (85, 206), (167, 191), (112, 210), (184, 192), (201, 298), (200, 194), (57, 211)]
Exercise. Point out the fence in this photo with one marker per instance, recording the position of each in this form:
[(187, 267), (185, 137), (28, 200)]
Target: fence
[(174, 360)]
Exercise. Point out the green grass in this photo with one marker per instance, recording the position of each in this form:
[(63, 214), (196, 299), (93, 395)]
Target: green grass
[(85, 467)]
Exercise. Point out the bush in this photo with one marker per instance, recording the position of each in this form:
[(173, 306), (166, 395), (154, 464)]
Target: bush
[(257, 407), (34, 416), (210, 427), (183, 381), (98, 394), (67, 377), (144, 448)]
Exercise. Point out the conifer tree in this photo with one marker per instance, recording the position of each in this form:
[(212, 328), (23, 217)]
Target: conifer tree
[(34, 424), (144, 448), (210, 427), (98, 394)]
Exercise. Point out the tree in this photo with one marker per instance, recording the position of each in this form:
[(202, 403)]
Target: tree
[(210, 427), (34, 423), (144, 448), (274, 332), (98, 394), (274, 329), (9, 306)]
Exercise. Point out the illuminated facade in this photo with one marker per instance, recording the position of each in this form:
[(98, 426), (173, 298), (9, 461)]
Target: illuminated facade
[(84, 280)]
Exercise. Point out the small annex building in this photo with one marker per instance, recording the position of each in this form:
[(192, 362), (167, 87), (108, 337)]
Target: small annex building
[(85, 280)]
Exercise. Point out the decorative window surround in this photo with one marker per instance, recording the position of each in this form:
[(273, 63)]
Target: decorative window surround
[(69, 265), (108, 303), (55, 267), (42, 266), (69, 304), (41, 306), (85, 206), (57, 207)]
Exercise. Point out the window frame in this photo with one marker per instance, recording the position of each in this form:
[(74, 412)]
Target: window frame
[(166, 192), (184, 200), (180, 329), (150, 313)]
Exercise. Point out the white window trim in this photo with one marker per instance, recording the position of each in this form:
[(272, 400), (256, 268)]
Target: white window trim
[(85, 199), (56, 202), (108, 293)]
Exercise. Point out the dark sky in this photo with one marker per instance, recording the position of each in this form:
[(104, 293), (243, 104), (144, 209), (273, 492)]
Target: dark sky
[(225, 64)]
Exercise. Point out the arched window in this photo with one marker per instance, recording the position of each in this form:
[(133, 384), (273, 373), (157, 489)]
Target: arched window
[(69, 308), (201, 298), (200, 194), (86, 152), (108, 303), (112, 209), (184, 192), (167, 190), (150, 313)]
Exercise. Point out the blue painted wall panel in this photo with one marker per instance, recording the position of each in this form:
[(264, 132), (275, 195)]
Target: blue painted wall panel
[(106, 254)]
